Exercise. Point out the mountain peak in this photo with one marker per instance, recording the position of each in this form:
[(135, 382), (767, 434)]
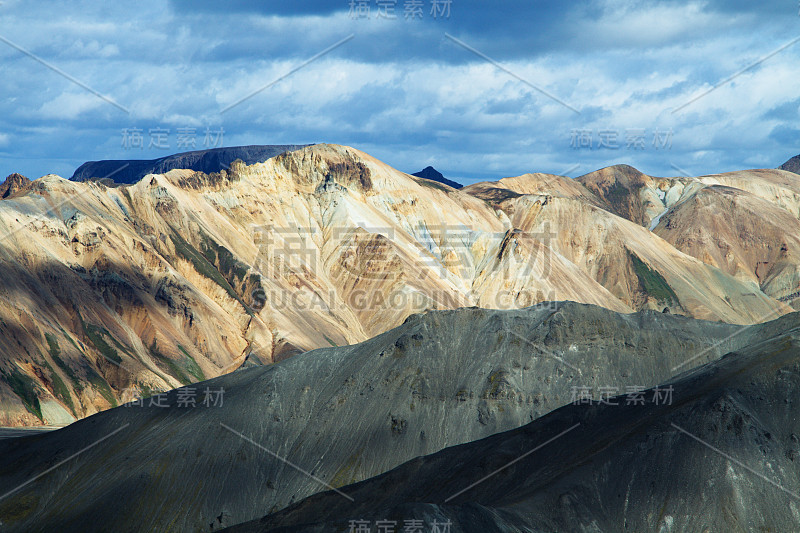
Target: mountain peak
[(621, 172), (430, 173), (618, 186), (13, 183), (792, 165)]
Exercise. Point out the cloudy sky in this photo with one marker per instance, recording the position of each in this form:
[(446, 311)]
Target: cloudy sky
[(479, 89)]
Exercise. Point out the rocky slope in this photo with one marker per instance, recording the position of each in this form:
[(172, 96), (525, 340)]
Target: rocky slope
[(130, 171), (637, 267), (340, 415), (115, 291), (755, 241), (722, 456), (644, 199)]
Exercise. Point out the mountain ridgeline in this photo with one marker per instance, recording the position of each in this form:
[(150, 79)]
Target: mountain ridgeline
[(318, 342), (719, 455), (115, 292), (345, 414), (129, 171)]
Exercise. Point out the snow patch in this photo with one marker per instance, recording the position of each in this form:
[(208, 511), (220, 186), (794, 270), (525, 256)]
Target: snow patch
[(656, 219)]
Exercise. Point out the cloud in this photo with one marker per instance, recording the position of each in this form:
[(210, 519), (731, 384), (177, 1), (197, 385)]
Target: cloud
[(403, 91), (70, 105)]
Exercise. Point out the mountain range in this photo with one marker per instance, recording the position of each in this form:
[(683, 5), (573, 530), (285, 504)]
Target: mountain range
[(318, 340), (334, 416), (183, 276), (719, 455)]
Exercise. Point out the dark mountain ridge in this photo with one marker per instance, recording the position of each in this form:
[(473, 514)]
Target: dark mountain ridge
[(792, 165), (720, 456), (344, 414), (430, 173), (128, 171)]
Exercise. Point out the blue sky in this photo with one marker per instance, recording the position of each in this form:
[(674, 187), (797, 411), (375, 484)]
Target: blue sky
[(488, 90)]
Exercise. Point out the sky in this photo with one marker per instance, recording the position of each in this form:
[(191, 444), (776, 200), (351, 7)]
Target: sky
[(478, 89)]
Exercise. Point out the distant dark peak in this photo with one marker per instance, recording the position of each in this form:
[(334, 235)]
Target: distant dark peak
[(792, 165), (13, 183), (430, 173), (130, 171)]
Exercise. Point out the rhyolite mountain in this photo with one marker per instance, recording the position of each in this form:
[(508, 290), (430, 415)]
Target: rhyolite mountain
[(339, 415), (130, 171), (430, 173), (755, 241), (112, 292), (534, 184), (13, 184)]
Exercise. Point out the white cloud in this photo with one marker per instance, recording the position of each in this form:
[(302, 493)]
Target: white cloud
[(91, 49), (629, 67), (70, 105)]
